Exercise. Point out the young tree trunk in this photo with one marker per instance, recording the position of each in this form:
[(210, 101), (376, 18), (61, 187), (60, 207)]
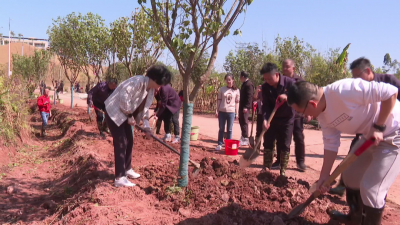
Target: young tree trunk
[(72, 96), (55, 96), (183, 179)]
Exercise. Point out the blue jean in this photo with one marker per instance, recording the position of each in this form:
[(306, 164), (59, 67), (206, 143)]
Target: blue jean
[(228, 118), (45, 117)]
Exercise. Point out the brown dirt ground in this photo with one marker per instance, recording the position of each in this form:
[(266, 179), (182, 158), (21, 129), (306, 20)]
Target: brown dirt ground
[(67, 178)]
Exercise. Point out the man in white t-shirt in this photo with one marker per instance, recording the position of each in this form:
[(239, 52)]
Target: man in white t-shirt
[(356, 106)]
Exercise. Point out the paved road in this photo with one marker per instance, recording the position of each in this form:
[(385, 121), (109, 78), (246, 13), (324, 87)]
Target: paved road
[(313, 139)]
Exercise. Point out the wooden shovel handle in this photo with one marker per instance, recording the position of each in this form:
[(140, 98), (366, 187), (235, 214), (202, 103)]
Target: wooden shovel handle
[(277, 105), (350, 158)]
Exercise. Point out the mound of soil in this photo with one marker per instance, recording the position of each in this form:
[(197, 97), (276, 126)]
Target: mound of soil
[(245, 197)]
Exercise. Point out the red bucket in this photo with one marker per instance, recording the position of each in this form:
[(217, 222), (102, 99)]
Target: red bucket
[(231, 147)]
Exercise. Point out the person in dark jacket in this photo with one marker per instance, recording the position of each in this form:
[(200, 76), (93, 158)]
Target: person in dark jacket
[(158, 104), (96, 97), (281, 126), (288, 68), (60, 88), (170, 105), (360, 68), (245, 105), (42, 87)]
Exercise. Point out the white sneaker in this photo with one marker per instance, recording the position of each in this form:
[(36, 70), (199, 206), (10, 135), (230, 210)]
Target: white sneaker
[(244, 142), (218, 148), (131, 174), (167, 137), (176, 140), (123, 182)]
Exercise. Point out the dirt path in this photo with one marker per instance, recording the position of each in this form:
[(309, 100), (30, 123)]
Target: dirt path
[(67, 178)]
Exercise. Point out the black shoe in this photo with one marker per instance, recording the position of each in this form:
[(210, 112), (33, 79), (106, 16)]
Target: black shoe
[(276, 165), (263, 170), (301, 166), (372, 216), (353, 198), (338, 190)]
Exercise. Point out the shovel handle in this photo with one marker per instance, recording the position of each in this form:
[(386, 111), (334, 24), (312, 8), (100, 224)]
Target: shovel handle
[(350, 158), (277, 105), (169, 147), (348, 161), (98, 109)]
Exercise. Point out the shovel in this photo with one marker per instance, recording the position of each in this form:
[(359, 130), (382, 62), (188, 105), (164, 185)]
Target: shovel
[(339, 169), (251, 140), (251, 154), (196, 165)]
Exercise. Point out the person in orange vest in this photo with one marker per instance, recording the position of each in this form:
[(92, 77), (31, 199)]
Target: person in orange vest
[(43, 103)]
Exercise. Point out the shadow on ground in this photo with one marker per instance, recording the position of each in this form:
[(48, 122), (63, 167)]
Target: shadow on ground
[(235, 214)]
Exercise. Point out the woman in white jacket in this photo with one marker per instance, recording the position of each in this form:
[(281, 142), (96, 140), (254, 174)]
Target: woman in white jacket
[(227, 108), (125, 107)]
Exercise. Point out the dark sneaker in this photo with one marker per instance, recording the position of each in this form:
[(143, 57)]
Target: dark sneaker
[(276, 165), (263, 170), (338, 190), (301, 166)]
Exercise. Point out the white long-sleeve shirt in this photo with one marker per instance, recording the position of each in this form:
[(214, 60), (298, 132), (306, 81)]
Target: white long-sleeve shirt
[(352, 106)]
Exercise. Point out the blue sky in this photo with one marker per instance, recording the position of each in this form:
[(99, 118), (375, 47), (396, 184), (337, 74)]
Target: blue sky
[(370, 26)]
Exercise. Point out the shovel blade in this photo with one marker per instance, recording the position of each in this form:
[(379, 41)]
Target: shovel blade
[(251, 142), (297, 211), (248, 157)]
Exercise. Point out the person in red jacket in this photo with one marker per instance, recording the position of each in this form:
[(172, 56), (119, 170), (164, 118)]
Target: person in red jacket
[(43, 103)]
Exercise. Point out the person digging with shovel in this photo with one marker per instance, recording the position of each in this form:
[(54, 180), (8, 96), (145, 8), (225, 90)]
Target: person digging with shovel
[(281, 126), (361, 68), (96, 97), (126, 107), (354, 106)]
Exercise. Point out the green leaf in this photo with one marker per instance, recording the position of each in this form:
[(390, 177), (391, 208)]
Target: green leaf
[(186, 23), (249, 2)]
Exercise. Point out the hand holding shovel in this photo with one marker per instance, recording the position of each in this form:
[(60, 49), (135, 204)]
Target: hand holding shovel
[(251, 154), (350, 158), (251, 140)]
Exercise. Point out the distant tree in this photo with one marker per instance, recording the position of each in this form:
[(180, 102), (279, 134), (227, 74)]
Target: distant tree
[(295, 49), (136, 41), (67, 37), (390, 65), (95, 44), (32, 69), (250, 59)]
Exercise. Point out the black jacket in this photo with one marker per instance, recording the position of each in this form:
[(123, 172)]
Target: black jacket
[(285, 113), (169, 100), (246, 95)]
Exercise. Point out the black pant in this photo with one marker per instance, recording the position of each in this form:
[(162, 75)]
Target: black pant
[(260, 124), (282, 133), (99, 115), (123, 144), (244, 122), (168, 117), (298, 138)]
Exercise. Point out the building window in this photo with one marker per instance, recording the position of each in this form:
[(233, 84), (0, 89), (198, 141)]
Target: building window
[(39, 45)]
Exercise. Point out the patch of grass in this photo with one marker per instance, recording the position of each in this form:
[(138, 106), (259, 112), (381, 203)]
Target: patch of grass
[(189, 194), (68, 191), (2, 175), (173, 190)]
